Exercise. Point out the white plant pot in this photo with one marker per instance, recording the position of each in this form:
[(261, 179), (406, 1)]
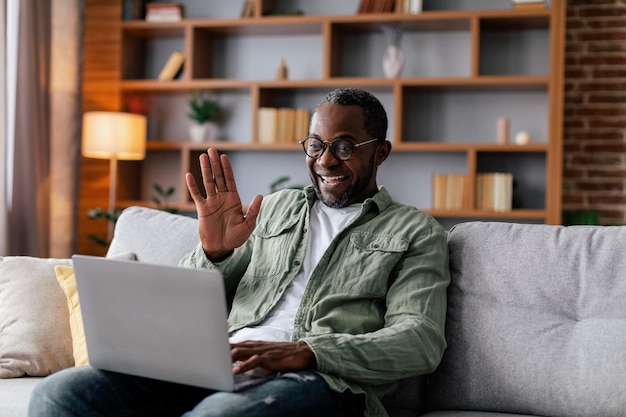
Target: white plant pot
[(212, 131), (208, 131), (198, 132)]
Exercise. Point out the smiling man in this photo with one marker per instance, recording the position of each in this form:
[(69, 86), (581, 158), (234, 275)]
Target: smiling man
[(341, 178), (336, 289)]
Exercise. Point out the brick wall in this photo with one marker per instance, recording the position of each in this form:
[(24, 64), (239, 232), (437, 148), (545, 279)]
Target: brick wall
[(594, 171)]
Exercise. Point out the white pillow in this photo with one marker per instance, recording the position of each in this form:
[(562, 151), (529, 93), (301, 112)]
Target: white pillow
[(35, 336)]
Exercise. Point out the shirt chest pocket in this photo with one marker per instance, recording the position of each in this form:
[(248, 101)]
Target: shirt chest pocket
[(368, 261), (274, 245)]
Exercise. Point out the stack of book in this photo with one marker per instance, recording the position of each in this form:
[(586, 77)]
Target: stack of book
[(376, 6), (494, 191), (450, 192), (282, 125), (164, 12)]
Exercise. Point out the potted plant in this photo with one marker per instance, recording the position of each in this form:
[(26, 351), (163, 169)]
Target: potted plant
[(203, 110)]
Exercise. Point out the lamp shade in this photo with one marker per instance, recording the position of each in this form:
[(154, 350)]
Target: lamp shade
[(114, 135)]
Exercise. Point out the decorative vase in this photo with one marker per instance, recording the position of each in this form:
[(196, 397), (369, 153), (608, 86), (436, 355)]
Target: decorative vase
[(198, 132), (393, 61)]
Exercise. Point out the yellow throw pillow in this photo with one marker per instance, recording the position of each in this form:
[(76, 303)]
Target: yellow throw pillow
[(67, 280)]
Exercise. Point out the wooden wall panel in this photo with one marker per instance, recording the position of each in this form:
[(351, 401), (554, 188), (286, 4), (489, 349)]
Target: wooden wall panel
[(101, 75)]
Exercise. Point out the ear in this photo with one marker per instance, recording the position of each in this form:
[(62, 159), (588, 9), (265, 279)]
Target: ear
[(382, 152)]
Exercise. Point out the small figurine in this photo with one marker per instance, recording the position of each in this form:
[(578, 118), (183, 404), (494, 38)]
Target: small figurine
[(282, 71), (522, 138)]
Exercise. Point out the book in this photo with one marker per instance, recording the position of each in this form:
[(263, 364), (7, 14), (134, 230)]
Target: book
[(248, 8), (133, 9), (376, 6), (450, 192), (164, 12), (366, 6), (267, 121), (412, 6), (286, 120), (173, 67), (387, 6), (301, 128), (494, 191)]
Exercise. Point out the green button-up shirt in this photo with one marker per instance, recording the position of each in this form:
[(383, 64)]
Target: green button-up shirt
[(374, 308)]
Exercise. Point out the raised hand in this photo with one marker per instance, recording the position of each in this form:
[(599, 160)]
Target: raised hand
[(222, 224)]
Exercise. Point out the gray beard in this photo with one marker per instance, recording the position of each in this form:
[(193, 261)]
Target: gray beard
[(337, 202)]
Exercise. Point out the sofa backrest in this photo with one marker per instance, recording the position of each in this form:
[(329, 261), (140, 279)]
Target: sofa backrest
[(536, 321), (155, 236)]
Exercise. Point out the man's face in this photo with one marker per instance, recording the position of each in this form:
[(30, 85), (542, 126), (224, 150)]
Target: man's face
[(341, 183)]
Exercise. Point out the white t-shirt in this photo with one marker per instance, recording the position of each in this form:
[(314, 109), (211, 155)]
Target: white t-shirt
[(325, 224)]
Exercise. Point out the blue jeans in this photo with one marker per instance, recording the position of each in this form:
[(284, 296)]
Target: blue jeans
[(86, 391)]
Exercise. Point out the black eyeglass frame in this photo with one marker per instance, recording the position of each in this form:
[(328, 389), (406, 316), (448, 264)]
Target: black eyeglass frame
[(329, 144)]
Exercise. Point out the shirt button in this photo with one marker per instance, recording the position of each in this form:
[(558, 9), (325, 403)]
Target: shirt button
[(296, 263), (376, 246), (304, 230)]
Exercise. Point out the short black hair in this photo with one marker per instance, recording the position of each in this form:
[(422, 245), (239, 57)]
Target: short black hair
[(374, 114)]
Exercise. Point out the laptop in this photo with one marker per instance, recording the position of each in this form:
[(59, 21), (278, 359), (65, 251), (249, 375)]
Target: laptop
[(160, 322)]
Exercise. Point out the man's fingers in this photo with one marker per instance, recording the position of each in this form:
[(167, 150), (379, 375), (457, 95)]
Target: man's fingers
[(217, 171), (253, 210), (229, 175), (207, 174), (246, 365), (194, 191)]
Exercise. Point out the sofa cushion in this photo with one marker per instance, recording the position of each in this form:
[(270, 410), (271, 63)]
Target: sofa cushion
[(67, 280), (15, 395), (34, 328), (407, 399), (155, 236), (536, 321)]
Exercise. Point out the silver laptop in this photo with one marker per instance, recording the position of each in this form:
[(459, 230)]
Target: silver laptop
[(155, 321)]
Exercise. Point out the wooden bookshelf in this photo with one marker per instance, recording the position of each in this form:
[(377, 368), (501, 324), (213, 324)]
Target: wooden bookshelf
[(463, 69)]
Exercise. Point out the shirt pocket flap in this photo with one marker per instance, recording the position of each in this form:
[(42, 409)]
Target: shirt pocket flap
[(274, 228), (375, 242)]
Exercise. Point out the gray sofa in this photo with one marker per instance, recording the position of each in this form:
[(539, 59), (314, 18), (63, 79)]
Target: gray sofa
[(536, 319)]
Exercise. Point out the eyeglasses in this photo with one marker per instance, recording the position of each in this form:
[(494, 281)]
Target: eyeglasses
[(340, 148)]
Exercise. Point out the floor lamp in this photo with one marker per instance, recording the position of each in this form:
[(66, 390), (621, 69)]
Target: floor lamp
[(113, 136)]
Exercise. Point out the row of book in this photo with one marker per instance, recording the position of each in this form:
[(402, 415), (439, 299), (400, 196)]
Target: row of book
[(450, 192), (493, 191), (375, 6), (282, 124), (386, 6)]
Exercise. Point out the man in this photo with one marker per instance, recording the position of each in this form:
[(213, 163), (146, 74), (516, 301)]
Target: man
[(336, 288)]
